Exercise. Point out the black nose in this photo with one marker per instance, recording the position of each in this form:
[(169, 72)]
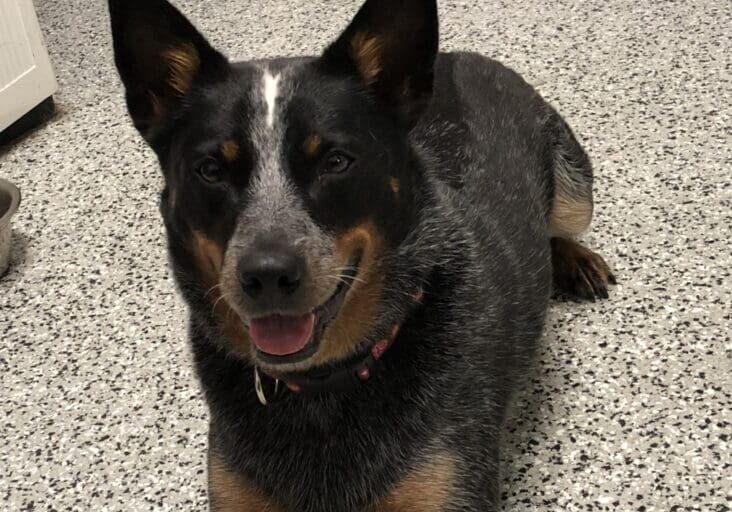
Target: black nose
[(268, 275)]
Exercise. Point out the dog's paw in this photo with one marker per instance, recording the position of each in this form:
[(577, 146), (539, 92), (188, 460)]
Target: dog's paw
[(579, 273)]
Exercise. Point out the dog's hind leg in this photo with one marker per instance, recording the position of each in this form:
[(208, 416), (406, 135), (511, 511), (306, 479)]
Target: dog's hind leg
[(579, 273)]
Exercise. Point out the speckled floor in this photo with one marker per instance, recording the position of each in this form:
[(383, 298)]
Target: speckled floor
[(630, 406)]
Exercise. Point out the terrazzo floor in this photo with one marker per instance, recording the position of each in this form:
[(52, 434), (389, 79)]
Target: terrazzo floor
[(630, 404)]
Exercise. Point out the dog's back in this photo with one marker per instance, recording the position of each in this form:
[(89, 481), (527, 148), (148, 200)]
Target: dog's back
[(489, 136)]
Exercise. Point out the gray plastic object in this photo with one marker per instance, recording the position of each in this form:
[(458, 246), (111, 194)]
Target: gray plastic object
[(9, 202)]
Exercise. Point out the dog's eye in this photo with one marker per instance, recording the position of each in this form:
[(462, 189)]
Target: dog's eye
[(210, 171), (336, 163)]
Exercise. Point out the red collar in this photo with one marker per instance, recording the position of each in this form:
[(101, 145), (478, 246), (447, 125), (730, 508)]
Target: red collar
[(346, 378)]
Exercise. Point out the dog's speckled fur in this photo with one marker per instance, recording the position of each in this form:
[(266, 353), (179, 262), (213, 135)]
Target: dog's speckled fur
[(462, 175)]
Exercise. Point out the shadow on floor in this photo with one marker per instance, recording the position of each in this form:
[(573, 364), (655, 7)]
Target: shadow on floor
[(18, 256), (28, 125), (528, 410)]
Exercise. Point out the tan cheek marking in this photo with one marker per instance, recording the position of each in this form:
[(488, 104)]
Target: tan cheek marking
[(312, 144), (232, 327), (230, 492), (184, 63), (229, 150), (426, 489), (395, 185), (366, 52), (209, 258), (358, 314)]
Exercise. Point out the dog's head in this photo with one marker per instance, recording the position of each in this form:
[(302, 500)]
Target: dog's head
[(290, 184)]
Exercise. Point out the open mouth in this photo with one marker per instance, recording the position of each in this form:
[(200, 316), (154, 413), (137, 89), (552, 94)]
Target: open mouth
[(280, 339)]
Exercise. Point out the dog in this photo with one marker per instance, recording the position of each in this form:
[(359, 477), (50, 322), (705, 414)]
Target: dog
[(368, 241)]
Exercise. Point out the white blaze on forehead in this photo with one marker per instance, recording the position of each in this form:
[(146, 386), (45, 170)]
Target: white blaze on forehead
[(270, 89), (271, 190)]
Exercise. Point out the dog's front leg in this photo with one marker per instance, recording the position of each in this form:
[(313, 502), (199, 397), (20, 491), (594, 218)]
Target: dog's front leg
[(229, 491), (433, 486)]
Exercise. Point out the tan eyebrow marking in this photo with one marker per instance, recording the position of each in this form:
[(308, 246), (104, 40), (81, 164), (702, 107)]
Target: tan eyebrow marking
[(395, 185), (229, 150), (312, 144)]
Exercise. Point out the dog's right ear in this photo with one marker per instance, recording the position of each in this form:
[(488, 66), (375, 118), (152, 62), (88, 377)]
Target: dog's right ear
[(161, 58)]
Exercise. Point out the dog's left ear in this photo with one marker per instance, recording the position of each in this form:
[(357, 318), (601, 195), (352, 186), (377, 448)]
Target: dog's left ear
[(391, 45)]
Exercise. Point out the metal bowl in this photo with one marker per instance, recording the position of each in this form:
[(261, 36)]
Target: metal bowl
[(9, 202)]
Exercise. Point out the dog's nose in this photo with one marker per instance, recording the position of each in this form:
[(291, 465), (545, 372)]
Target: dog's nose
[(269, 275)]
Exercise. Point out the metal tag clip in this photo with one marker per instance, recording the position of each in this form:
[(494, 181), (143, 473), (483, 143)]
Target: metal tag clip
[(260, 389)]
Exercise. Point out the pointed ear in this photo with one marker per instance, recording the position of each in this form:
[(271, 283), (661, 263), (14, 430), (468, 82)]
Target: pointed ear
[(161, 57), (391, 45)]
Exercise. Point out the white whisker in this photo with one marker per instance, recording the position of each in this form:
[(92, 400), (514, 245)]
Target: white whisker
[(218, 285), (216, 303), (345, 278)]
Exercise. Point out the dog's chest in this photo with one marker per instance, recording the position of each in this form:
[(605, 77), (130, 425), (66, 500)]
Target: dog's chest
[(342, 463)]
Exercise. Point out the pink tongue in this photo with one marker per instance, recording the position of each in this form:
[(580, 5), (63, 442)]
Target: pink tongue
[(282, 335)]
